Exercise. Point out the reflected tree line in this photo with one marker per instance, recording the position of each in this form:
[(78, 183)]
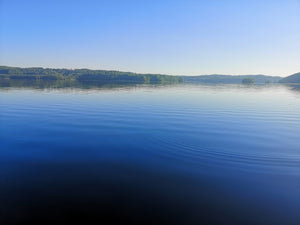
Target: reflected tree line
[(54, 84)]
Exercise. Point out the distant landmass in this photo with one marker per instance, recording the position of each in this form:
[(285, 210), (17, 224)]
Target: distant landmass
[(118, 77), (85, 75), (231, 79), (295, 78)]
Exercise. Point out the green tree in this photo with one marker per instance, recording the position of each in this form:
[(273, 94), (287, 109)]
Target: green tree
[(248, 80)]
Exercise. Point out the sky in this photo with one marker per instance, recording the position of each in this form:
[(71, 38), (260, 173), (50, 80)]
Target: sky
[(179, 37)]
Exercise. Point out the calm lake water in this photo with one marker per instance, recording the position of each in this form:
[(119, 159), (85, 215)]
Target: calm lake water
[(182, 154)]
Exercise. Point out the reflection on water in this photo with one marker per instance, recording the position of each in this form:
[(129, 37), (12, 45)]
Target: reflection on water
[(58, 84), (95, 85), (50, 84), (181, 154), (294, 87)]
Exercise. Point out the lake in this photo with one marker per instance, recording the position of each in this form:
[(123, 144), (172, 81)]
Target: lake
[(174, 154)]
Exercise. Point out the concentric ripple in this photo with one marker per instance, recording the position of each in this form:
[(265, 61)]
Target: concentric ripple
[(226, 126)]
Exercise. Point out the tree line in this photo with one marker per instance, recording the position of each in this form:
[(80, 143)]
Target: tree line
[(85, 75)]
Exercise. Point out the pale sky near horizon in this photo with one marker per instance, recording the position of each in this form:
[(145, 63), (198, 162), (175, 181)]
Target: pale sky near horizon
[(180, 37)]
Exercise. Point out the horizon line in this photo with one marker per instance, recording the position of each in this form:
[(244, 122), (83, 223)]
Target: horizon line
[(82, 68)]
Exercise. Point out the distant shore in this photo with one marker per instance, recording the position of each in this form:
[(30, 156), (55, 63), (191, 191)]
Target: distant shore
[(110, 76)]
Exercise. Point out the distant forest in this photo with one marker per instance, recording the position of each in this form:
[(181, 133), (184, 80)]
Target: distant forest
[(117, 77), (231, 79), (86, 75)]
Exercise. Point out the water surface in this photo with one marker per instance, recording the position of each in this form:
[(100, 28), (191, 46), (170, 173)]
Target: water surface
[(181, 154)]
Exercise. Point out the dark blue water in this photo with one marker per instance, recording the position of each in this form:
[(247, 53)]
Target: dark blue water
[(184, 154)]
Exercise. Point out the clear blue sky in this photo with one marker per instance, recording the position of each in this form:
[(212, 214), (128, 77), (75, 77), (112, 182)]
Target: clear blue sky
[(155, 36)]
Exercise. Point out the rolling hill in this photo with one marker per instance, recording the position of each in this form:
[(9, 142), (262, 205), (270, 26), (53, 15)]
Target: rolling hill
[(295, 78)]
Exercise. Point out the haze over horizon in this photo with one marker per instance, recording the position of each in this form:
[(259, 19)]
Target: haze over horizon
[(165, 37)]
